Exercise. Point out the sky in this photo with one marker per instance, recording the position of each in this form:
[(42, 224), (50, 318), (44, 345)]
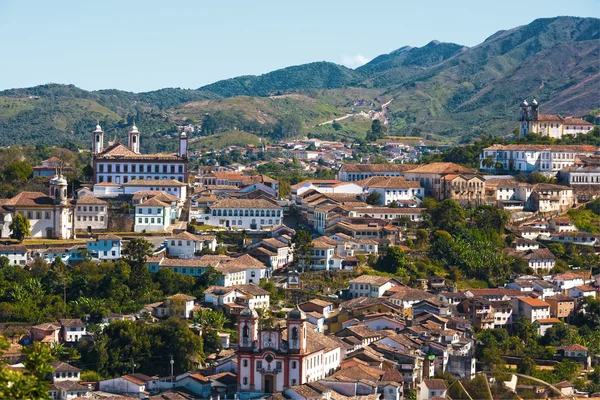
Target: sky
[(147, 45)]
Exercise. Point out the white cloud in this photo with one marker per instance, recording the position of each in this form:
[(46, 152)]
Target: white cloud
[(354, 61)]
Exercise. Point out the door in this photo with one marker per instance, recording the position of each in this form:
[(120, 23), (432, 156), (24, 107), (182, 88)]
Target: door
[(269, 383), (49, 233)]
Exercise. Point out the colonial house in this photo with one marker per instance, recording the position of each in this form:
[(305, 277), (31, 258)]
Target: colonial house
[(50, 166), (72, 330), (251, 214), (357, 172), (394, 189), (430, 177), (91, 214), (234, 299), (152, 216), (530, 158), (17, 255), (531, 308), (370, 286), (547, 197), (106, 247), (187, 245)]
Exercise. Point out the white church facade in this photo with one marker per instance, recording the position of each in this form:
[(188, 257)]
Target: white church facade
[(119, 164), (552, 125)]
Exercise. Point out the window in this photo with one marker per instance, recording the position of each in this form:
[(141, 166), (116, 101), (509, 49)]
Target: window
[(258, 364), (245, 363), (293, 364), (245, 380)]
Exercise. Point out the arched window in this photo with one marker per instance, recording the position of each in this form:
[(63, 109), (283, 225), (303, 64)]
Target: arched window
[(246, 332), (294, 333)]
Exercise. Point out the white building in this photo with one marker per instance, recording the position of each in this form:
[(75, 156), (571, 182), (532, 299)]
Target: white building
[(250, 295), (357, 172), (50, 216), (72, 330), (324, 186), (106, 247), (17, 255), (529, 158), (394, 189), (120, 164), (152, 216), (91, 214), (554, 126), (187, 245), (432, 388), (532, 309), (251, 214), (371, 286), (282, 250), (390, 214)]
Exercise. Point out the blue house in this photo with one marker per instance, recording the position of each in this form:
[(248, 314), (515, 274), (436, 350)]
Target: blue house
[(106, 247)]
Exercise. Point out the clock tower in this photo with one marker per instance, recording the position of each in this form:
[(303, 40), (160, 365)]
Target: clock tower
[(296, 326)]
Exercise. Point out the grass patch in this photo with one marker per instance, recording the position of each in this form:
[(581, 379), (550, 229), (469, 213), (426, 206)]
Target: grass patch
[(471, 284), (585, 220), (51, 242), (226, 139)]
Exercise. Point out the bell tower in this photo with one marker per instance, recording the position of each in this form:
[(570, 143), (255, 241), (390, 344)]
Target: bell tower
[(97, 140), (296, 327), (58, 189), (134, 139), (183, 145), (534, 110), (247, 328)]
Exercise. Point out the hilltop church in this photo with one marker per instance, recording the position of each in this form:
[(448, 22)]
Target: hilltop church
[(552, 125), (119, 164)]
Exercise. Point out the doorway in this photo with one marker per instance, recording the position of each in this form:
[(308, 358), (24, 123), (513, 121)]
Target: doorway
[(268, 387)]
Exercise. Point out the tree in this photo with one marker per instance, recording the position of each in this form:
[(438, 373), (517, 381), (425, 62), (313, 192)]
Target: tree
[(17, 171), (526, 365), (302, 248), (336, 125), (525, 329), (373, 198), (20, 227), (136, 253), (30, 384), (490, 218), (448, 215), (377, 131), (393, 260), (211, 341)]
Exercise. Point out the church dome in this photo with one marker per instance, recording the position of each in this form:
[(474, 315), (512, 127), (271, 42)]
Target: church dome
[(534, 102), (58, 180), (183, 135), (297, 313), (524, 103), (134, 129), (98, 129), (248, 313)]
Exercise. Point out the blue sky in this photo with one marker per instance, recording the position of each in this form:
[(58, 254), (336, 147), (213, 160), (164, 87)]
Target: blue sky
[(146, 45)]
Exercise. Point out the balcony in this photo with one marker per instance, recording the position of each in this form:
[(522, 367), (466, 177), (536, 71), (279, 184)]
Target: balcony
[(269, 370)]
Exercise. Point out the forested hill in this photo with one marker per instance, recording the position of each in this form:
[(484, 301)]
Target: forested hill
[(446, 90)]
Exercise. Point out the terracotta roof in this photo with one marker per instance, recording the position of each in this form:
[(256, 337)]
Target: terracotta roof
[(245, 204), (372, 279), (388, 182), (159, 194), (549, 321), (388, 210), (560, 297), (574, 347), (543, 147), (405, 293), (13, 249), (540, 254), (153, 202), (182, 296), (109, 237), (435, 384), (138, 379), (60, 366), (154, 182), (534, 302), (377, 167), (441, 168), (190, 236), (319, 302), (30, 199), (71, 322), (47, 326), (91, 200), (120, 151), (586, 288)]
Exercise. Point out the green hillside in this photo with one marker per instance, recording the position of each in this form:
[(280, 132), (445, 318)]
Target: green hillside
[(441, 89), (318, 75)]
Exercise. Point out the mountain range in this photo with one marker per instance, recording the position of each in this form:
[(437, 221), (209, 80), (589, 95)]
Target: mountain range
[(443, 91)]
